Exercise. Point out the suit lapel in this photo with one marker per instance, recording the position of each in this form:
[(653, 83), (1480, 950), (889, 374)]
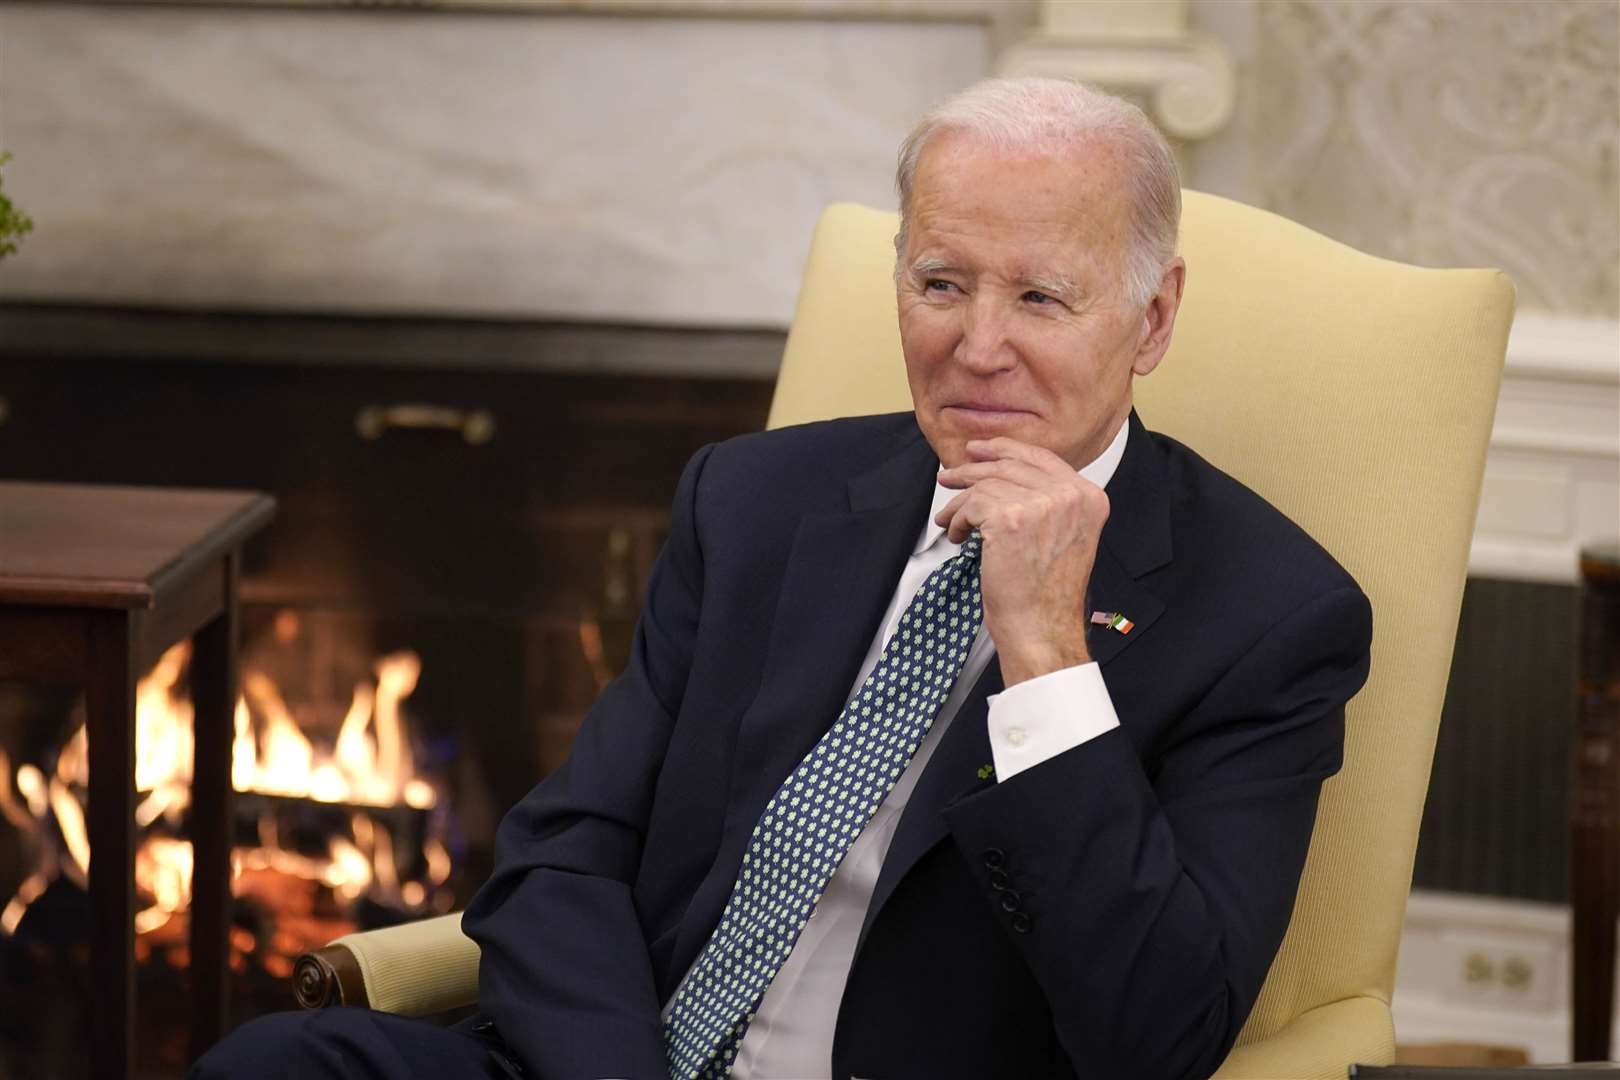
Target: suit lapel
[(838, 582), (1135, 541), (1114, 591)]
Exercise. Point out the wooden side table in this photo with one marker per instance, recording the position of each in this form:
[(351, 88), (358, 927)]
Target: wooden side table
[(1594, 833), (95, 582)]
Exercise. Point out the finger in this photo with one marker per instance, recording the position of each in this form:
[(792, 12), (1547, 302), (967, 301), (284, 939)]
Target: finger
[(949, 510), (963, 514), (1017, 472), (976, 508), (993, 487), (1003, 446), (971, 515)]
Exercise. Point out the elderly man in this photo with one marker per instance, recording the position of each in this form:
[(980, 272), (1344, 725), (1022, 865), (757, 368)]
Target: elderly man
[(979, 741)]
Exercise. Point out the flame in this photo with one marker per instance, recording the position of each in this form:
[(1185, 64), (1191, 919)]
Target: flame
[(25, 816), (70, 819), (288, 758), (438, 861), (10, 809), (73, 763), (27, 893), (31, 782), (163, 872), (349, 871), (382, 859), (163, 747), (369, 766)]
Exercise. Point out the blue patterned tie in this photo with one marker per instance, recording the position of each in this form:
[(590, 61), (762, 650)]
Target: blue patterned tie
[(814, 817)]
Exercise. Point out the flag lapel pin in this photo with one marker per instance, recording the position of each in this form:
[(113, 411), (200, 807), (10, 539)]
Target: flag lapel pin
[(1114, 620)]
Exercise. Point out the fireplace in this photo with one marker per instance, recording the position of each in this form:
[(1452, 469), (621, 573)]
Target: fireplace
[(468, 513)]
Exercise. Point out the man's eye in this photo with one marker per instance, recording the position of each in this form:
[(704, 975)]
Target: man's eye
[(938, 285), (1035, 296)]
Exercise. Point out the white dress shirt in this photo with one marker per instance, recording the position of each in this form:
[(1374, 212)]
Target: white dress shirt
[(791, 1035)]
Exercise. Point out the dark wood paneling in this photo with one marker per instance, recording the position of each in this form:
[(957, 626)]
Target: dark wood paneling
[(1496, 818)]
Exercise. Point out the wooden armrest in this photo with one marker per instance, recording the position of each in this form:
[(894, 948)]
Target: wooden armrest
[(415, 969), (329, 975)]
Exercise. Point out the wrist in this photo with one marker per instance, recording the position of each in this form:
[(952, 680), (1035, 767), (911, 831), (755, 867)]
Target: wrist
[(1023, 662)]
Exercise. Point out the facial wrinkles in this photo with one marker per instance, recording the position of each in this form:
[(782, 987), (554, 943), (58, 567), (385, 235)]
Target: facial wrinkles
[(1014, 257), (1084, 241)]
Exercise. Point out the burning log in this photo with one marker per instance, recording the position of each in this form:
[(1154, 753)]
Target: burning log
[(307, 826)]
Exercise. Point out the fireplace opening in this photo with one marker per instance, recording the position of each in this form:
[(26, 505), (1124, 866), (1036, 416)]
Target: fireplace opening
[(341, 821)]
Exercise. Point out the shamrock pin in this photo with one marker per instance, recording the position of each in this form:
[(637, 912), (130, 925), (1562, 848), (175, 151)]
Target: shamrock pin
[(986, 771)]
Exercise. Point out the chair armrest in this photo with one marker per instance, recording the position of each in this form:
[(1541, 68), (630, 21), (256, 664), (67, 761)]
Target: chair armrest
[(414, 969), (1319, 1044)]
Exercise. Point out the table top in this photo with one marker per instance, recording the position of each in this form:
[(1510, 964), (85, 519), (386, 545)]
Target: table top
[(79, 545), (1597, 557)]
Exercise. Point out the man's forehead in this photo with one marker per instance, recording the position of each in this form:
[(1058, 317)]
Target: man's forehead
[(977, 185), (1033, 252), (1101, 157)]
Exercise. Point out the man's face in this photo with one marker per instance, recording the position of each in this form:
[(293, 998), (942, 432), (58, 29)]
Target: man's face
[(1012, 302)]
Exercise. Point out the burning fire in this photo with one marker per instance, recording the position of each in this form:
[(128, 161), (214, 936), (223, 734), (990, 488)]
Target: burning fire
[(368, 768)]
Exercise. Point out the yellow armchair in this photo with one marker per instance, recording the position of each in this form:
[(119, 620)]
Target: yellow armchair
[(1356, 395)]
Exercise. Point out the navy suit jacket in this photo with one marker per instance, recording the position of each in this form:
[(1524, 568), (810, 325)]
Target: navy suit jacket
[(1110, 912)]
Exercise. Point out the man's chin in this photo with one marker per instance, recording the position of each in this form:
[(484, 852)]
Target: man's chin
[(949, 436)]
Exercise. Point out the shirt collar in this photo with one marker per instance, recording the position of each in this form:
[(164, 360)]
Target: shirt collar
[(1099, 472)]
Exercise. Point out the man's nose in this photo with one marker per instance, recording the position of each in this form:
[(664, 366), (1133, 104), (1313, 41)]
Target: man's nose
[(985, 347)]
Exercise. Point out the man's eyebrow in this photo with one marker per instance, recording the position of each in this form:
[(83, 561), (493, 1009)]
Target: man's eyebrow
[(1054, 286), (929, 264)]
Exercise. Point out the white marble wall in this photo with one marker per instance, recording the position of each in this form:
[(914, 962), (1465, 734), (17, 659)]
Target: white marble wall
[(662, 170)]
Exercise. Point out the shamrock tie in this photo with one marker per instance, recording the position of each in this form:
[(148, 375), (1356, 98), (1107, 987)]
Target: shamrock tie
[(814, 817)]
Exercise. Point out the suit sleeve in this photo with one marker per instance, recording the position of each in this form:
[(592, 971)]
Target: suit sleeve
[(564, 972), (1149, 908)]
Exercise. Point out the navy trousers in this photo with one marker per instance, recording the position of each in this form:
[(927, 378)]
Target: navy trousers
[(357, 1044)]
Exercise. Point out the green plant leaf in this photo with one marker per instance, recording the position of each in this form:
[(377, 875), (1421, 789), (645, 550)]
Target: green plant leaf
[(13, 222)]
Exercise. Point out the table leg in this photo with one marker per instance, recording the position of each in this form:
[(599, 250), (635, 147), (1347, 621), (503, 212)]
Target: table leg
[(1595, 897), (1595, 823), (213, 690), (110, 728)]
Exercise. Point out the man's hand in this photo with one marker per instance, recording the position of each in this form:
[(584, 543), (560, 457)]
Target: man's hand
[(1040, 521)]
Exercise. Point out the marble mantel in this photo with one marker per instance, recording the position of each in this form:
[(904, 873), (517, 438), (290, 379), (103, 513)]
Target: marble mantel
[(653, 161), (451, 162)]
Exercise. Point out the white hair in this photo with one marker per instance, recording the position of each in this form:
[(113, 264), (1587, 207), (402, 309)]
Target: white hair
[(1051, 115)]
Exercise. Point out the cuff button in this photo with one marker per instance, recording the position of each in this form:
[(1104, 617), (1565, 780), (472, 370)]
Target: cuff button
[(1021, 923), (994, 857)]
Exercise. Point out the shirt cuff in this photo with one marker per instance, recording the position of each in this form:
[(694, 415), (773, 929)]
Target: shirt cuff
[(1042, 717)]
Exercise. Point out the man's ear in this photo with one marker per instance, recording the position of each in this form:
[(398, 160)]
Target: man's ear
[(1159, 319)]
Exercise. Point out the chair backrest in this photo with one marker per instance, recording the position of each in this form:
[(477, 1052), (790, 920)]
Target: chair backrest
[(1353, 393)]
